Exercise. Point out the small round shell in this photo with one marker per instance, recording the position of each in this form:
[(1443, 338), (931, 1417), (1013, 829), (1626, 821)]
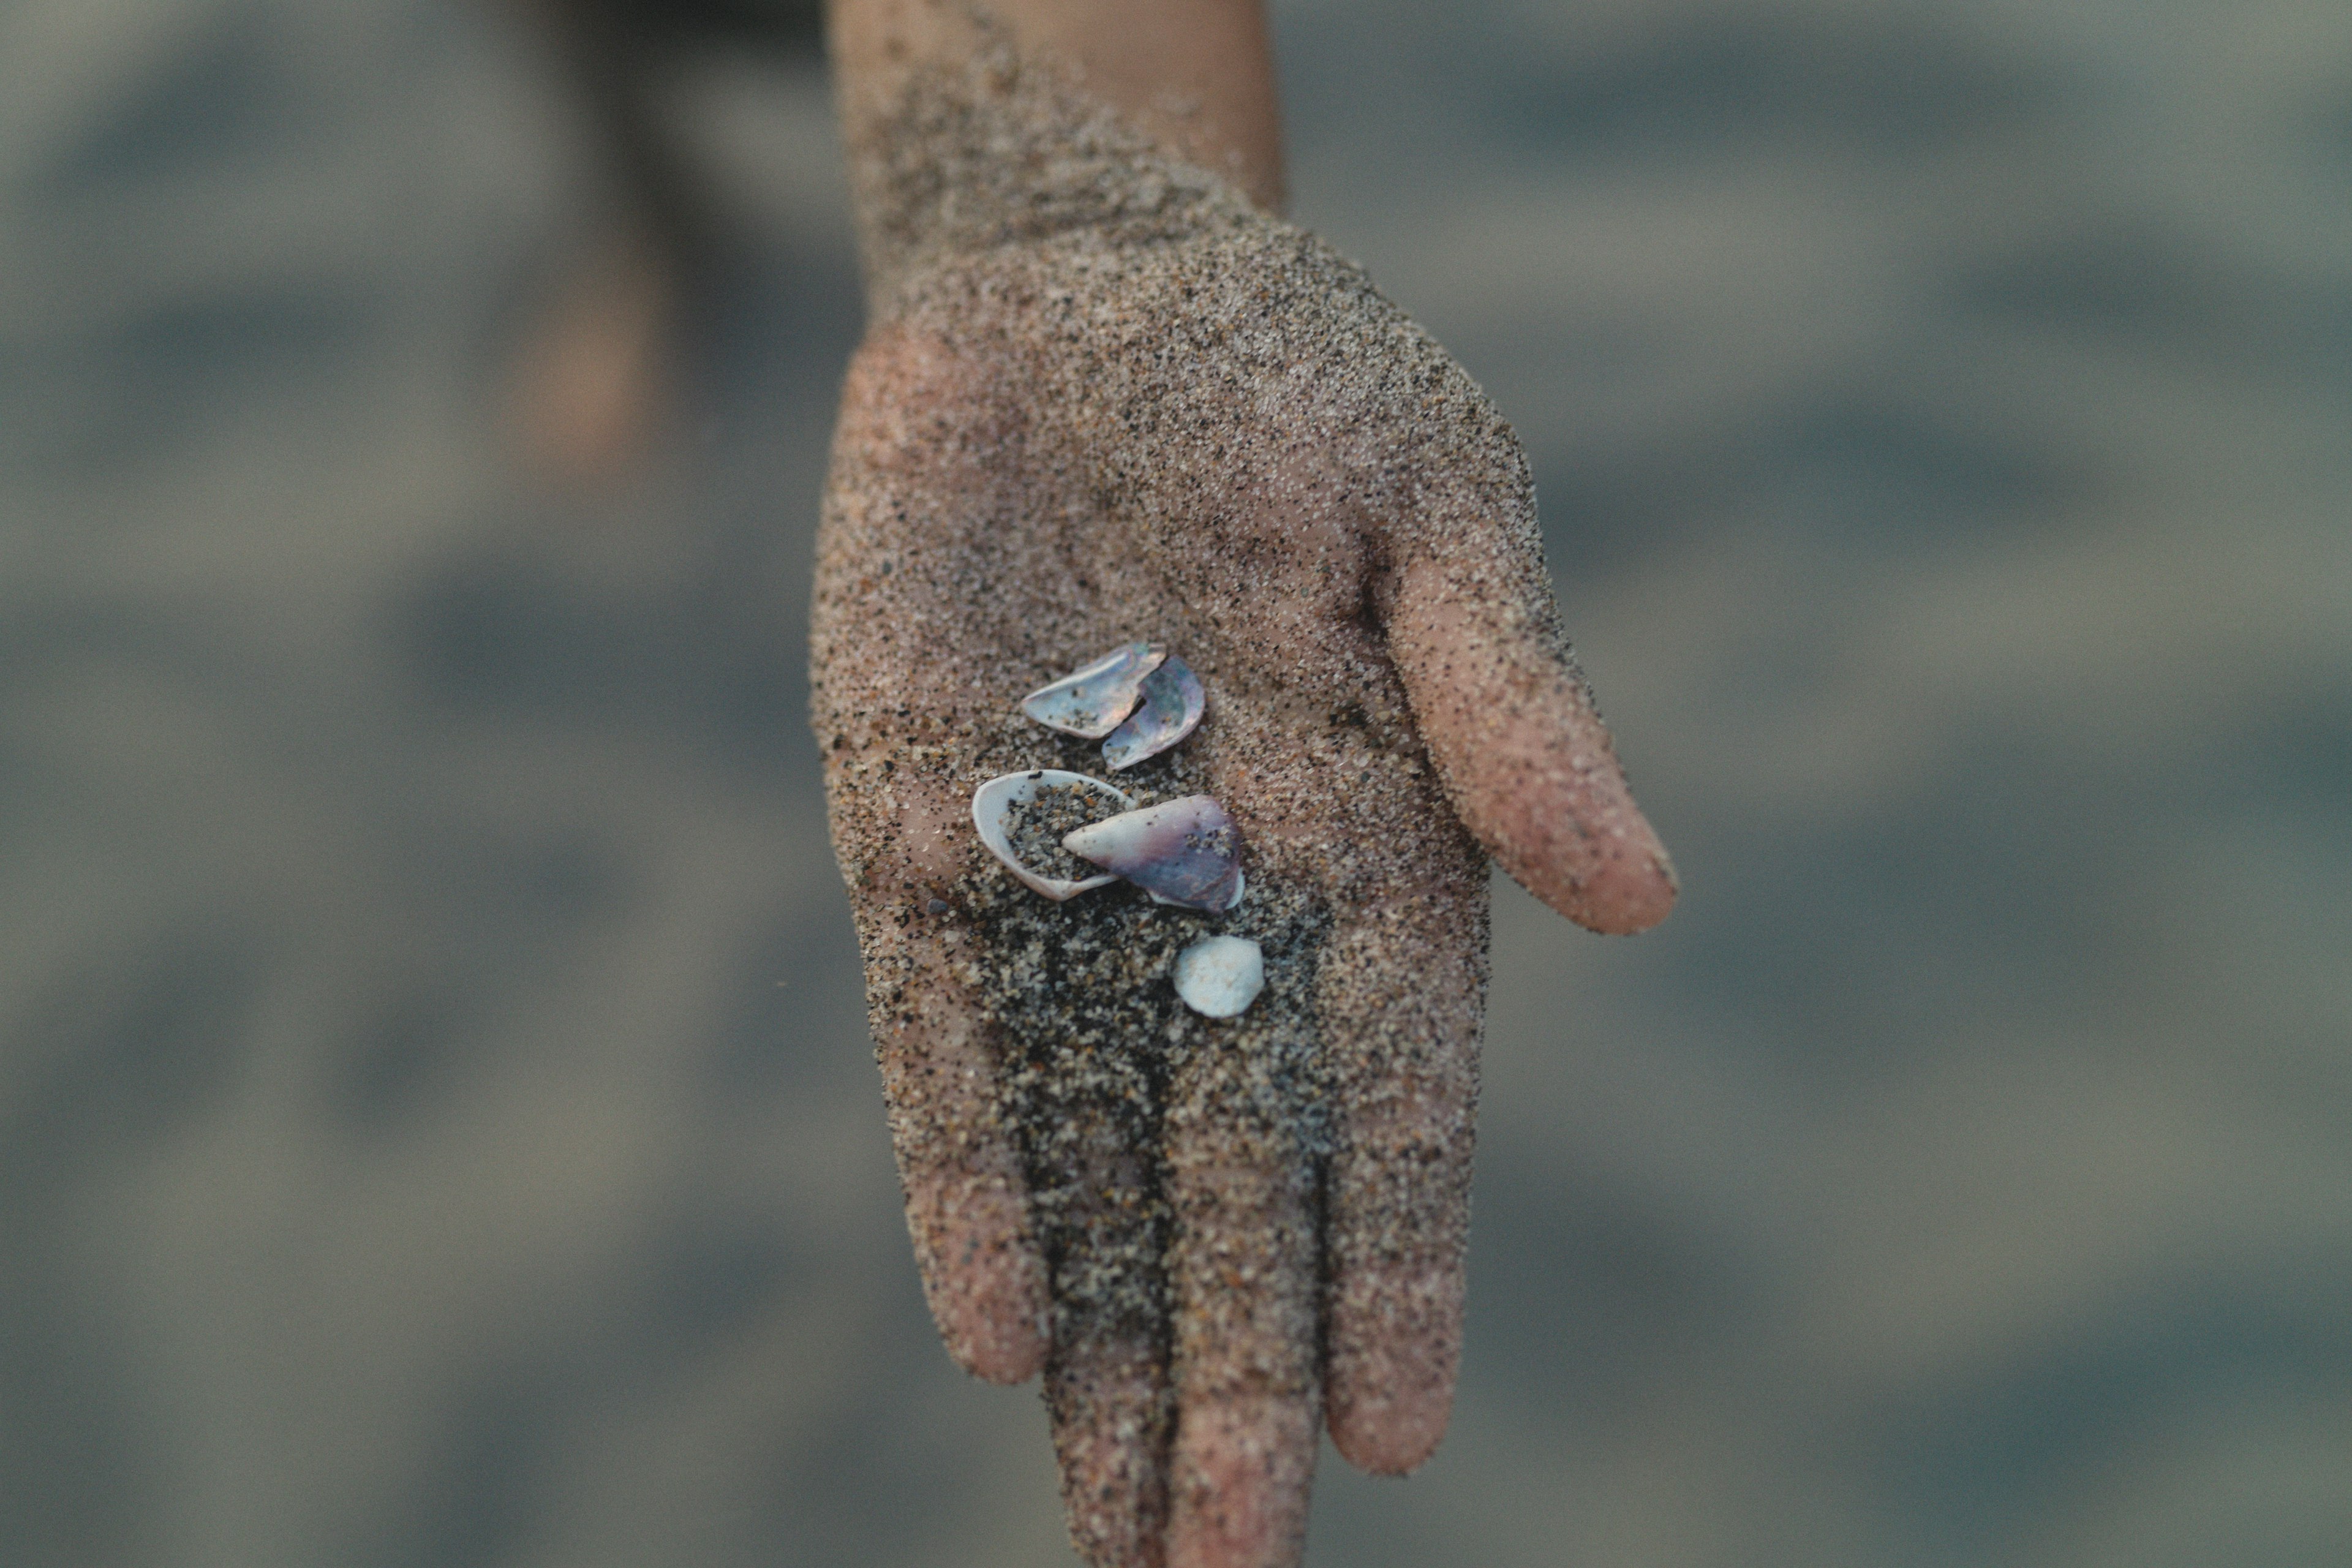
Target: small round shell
[(1220, 976), (992, 799)]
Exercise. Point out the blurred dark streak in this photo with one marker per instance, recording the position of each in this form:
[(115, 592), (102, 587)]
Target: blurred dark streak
[(219, 100), (140, 1040), (1867, 77), (1879, 478), (1591, 1291), (140, 1036), (2141, 286), (1982, 1462)]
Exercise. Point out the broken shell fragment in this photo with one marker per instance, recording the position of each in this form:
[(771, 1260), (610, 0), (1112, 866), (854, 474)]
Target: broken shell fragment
[(993, 801), (1185, 852), (1091, 704), (1220, 976), (1173, 705)]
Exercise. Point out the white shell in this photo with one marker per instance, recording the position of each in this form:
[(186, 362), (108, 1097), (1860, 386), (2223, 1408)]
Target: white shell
[(1185, 852), (1171, 706), (990, 802), (1220, 976), (1091, 702)]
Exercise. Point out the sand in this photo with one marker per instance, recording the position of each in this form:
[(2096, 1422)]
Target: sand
[(1035, 828), (1103, 398)]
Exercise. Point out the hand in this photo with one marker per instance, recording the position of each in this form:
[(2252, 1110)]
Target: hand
[(1156, 412)]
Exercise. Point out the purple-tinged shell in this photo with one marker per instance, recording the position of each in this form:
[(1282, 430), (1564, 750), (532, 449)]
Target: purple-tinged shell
[(990, 802), (1185, 852), (1173, 705), (1090, 703)]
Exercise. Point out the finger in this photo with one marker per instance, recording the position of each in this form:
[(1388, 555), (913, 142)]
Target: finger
[(903, 840), (1107, 1396), (1241, 1191), (1106, 1378), (1083, 1088), (1401, 991), (1523, 753), (966, 1206)]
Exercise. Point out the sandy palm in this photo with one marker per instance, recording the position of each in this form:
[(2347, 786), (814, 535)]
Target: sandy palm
[(1202, 429)]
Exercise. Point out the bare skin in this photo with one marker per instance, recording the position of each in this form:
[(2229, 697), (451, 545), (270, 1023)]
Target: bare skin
[(1106, 395)]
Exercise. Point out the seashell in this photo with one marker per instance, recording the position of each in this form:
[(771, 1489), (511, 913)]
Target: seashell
[(1220, 976), (1186, 852), (1091, 704), (1173, 705), (991, 802)]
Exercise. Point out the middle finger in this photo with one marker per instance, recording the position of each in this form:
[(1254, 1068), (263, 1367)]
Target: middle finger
[(1243, 1139)]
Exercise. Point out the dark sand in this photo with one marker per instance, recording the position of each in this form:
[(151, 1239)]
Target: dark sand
[(1035, 828)]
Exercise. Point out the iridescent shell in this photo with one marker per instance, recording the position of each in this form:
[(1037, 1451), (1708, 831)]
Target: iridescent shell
[(992, 799), (1220, 976), (1091, 702), (1185, 852), (1172, 703)]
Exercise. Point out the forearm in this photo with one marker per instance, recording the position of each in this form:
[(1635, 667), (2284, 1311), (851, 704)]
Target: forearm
[(968, 125)]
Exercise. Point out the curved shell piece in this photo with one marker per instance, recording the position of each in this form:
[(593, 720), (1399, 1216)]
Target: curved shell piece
[(1185, 852), (1091, 702), (1171, 707), (992, 799), (1220, 976)]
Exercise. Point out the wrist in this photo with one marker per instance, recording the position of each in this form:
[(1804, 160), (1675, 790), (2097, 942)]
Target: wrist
[(969, 130)]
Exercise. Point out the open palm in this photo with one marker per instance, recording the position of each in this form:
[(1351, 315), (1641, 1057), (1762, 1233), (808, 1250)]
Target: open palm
[(1202, 429)]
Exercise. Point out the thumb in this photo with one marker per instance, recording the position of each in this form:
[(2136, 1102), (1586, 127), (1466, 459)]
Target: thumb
[(1520, 749)]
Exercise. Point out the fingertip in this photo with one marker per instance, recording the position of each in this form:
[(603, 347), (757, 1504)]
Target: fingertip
[(1621, 886), (1006, 1360), (1398, 1194), (1392, 1435), (1107, 1396), (1396, 1342), (997, 1330), (983, 1278), (1634, 897), (1527, 762), (1243, 1469)]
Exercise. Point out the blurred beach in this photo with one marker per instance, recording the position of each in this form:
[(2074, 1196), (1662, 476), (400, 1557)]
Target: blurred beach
[(437, 1122)]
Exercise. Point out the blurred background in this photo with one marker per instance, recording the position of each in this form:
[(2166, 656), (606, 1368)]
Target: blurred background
[(437, 1125)]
